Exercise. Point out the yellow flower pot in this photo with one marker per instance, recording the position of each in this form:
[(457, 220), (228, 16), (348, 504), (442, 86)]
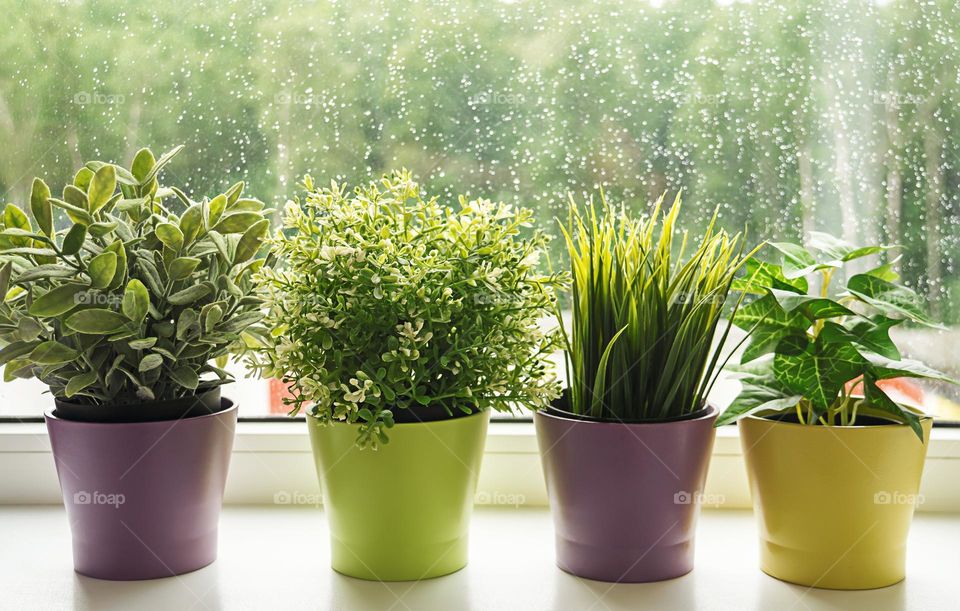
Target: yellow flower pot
[(834, 503)]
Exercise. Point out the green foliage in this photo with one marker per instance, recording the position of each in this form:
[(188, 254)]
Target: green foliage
[(809, 347), (509, 100), (641, 341), (132, 301), (390, 301)]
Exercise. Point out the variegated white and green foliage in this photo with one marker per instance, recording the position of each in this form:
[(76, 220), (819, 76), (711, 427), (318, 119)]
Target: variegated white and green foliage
[(811, 345), (130, 301), (389, 300)]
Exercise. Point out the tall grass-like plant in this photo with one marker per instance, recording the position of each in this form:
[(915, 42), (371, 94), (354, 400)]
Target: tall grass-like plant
[(641, 344)]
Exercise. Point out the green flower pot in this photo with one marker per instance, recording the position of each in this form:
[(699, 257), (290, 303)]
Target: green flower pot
[(402, 512)]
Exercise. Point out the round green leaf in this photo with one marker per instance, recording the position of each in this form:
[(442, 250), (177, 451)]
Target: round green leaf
[(212, 316), (77, 214), (102, 229), (96, 321), (143, 162), (191, 223), (82, 179), (233, 193), (214, 210), (189, 294), (237, 222), (74, 239), (102, 268), (52, 353), (185, 376), (182, 267), (136, 301), (117, 247), (170, 235), (251, 240), (76, 198), (14, 218), (142, 344), (79, 382), (151, 361), (57, 301), (5, 272), (29, 329), (102, 186), (40, 206), (246, 205)]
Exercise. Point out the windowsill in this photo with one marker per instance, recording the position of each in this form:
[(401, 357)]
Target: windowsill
[(272, 462), (278, 558)]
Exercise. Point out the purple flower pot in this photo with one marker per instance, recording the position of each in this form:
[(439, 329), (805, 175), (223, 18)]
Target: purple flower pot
[(143, 498), (625, 497)]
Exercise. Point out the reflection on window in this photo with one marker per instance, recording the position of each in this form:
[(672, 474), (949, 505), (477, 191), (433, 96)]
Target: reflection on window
[(790, 115)]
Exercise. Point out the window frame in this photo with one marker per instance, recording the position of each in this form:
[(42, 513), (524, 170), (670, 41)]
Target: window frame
[(272, 460)]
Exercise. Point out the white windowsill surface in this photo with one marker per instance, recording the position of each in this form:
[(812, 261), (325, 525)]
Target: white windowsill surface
[(272, 462), (278, 558)]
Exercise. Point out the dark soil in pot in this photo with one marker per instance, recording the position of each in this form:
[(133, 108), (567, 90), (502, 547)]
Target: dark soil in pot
[(427, 413), (202, 404), (861, 420), (561, 408)]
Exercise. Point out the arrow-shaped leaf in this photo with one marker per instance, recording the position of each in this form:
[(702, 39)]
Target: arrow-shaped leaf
[(888, 297), (817, 370)]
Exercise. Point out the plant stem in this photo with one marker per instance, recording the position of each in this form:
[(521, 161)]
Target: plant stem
[(824, 292)]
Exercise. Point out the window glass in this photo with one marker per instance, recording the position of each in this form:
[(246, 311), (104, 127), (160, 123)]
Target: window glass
[(791, 115)]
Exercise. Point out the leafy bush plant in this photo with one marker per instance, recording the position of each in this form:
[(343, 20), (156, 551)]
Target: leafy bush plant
[(131, 302), (812, 345), (641, 341), (390, 301)]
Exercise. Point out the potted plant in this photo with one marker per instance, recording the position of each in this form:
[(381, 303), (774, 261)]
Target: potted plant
[(120, 315), (625, 451), (401, 323), (834, 472)]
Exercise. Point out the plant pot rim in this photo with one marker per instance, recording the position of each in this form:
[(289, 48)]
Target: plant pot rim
[(230, 407), (711, 413), (834, 427), (482, 412)]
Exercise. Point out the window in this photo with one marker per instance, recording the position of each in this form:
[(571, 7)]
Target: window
[(789, 115)]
